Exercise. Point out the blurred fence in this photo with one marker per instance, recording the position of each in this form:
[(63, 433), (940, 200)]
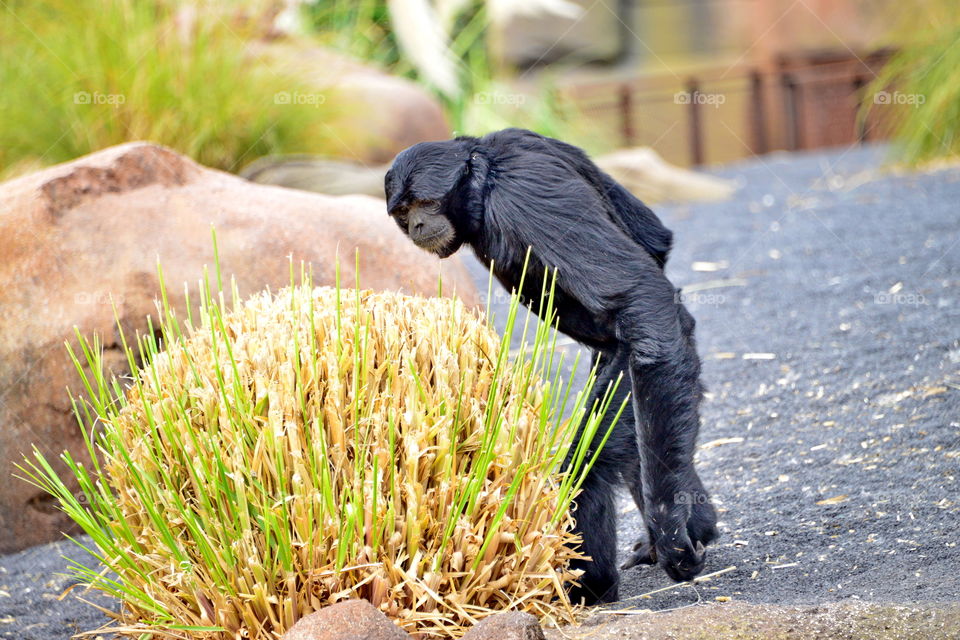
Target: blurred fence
[(805, 101)]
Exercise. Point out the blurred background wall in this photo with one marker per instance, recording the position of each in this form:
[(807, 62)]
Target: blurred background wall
[(707, 81)]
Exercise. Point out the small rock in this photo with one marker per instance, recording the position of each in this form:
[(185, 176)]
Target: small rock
[(649, 177), (509, 625), (347, 620)]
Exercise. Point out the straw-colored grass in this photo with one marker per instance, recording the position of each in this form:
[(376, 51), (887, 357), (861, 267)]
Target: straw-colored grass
[(319, 444)]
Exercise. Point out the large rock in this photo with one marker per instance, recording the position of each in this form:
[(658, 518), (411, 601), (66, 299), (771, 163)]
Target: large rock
[(74, 235), (347, 620), (386, 114), (318, 174)]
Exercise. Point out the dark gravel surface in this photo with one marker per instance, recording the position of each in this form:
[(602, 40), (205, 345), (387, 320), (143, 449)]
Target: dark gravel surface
[(828, 309), (835, 463)]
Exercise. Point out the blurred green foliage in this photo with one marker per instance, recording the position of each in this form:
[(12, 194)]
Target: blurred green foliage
[(80, 75), (918, 91), (486, 101), (359, 28)]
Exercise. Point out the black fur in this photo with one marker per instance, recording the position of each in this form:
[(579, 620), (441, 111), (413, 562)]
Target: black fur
[(515, 189)]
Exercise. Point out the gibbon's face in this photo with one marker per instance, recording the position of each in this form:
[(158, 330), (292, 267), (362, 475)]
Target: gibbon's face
[(425, 224), (419, 187)]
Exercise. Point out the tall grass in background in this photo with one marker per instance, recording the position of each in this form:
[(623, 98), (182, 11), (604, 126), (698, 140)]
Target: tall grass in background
[(80, 75), (276, 455), (431, 41), (359, 28), (489, 102), (918, 91)]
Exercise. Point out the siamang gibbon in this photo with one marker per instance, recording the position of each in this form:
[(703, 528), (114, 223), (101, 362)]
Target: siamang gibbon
[(513, 190)]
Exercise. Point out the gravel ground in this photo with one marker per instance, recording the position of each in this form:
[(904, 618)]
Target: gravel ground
[(828, 309), (835, 463)]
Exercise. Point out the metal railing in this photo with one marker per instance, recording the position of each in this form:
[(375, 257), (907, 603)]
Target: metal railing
[(800, 101)]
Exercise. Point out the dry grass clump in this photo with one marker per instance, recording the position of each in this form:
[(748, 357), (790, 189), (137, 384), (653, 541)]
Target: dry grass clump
[(314, 445)]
